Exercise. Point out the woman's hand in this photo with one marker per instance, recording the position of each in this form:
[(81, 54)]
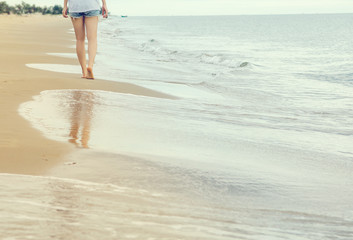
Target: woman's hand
[(65, 12), (105, 11)]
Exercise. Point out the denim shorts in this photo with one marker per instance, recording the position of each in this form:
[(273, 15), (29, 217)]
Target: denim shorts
[(92, 13)]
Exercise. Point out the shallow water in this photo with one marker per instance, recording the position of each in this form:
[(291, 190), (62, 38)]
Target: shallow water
[(164, 202), (250, 189), (56, 208), (258, 144)]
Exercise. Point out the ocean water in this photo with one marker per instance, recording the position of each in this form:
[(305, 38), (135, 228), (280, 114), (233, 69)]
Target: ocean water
[(256, 144)]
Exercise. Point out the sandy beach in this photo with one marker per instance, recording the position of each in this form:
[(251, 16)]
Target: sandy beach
[(27, 39), (44, 194), (255, 143)]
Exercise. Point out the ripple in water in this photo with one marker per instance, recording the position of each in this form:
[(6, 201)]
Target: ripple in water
[(150, 172)]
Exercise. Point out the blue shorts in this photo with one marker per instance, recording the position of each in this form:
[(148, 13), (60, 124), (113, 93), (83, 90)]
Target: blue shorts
[(92, 13)]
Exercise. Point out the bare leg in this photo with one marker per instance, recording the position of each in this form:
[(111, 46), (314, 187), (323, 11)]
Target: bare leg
[(79, 26), (91, 28)]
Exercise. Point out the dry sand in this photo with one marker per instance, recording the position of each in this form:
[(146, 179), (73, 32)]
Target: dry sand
[(27, 39)]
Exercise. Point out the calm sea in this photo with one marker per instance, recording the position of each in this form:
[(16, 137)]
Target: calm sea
[(257, 144)]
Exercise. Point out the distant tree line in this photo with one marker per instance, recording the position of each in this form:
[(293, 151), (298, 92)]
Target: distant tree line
[(25, 8)]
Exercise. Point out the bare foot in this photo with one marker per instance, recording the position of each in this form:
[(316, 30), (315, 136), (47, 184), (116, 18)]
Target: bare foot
[(89, 73), (84, 74)]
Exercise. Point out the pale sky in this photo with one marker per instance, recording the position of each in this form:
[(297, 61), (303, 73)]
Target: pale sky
[(215, 7)]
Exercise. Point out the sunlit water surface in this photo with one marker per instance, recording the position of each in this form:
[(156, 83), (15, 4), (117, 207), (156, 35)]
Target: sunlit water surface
[(258, 144)]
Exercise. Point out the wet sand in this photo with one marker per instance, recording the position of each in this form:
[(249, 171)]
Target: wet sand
[(220, 187), (27, 39)]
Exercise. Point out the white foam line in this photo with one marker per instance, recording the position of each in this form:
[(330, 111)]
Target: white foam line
[(177, 90), (74, 46), (68, 180), (65, 55)]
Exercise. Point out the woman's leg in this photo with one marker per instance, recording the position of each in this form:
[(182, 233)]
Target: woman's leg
[(91, 28), (79, 26)]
